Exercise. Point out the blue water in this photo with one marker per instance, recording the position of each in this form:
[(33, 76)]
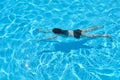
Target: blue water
[(22, 58)]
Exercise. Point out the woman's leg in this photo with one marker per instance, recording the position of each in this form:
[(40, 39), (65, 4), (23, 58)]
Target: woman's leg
[(91, 28), (97, 35)]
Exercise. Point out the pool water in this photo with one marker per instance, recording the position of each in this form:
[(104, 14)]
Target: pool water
[(23, 58)]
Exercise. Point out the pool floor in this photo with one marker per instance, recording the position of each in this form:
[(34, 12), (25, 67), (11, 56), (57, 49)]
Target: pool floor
[(62, 58)]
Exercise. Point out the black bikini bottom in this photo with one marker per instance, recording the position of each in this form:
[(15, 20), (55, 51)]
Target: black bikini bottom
[(77, 33)]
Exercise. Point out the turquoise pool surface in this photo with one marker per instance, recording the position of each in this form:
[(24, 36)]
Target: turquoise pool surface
[(23, 58)]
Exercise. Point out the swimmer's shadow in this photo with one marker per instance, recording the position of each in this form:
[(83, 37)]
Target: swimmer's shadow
[(75, 45)]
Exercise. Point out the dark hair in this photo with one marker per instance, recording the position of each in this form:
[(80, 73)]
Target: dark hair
[(57, 31)]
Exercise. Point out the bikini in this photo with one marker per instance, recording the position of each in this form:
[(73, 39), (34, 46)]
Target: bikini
[(77, 33), (65, 32)]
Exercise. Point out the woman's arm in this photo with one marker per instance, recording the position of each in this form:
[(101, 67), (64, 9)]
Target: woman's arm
[(47, 31), (52, 37)]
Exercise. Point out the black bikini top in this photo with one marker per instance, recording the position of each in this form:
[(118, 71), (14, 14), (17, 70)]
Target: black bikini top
[(65, 32), (76, 33)]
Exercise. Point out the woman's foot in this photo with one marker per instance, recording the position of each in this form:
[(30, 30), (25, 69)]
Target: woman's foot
[(108, 36)]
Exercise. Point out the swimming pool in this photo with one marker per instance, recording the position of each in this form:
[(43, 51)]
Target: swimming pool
[(22, 58)]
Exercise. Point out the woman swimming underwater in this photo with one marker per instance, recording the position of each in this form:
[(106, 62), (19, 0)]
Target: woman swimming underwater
[(74, 33)]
